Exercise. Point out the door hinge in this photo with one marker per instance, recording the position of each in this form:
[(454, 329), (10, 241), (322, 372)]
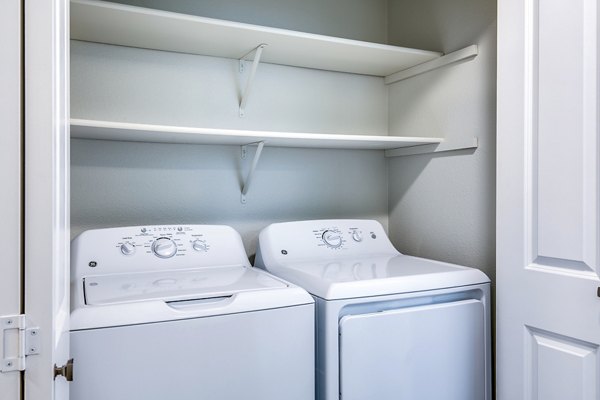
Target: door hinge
[(66, 371), (19, 340)]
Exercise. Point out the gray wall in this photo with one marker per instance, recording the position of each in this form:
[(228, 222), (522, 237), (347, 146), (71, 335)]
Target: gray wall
[(121, 183), (439, 206), (124, 183), (442, 206), (134, 85)]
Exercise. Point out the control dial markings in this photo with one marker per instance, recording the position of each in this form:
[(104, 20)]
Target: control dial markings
[(332, 238), (164, 247)]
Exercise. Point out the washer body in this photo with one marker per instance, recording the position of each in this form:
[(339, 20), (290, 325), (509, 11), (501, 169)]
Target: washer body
[(195, 321), (389, 326)]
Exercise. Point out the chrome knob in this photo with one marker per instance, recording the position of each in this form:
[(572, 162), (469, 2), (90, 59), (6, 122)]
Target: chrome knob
[(332, 238), (164, 247), (199, 245), (128, 249)]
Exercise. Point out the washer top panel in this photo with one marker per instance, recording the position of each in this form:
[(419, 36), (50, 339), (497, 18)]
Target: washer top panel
[(203, 283), (146, 274)]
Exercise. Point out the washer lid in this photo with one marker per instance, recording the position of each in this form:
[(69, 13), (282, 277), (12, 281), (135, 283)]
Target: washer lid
[(377, 275), (202, 283)]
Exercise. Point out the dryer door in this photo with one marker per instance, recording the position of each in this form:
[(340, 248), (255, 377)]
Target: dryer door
[(435, 351)]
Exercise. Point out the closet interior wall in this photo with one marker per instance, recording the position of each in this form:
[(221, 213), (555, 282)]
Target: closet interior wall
[(439, 206), (442, 205), (125, 183)]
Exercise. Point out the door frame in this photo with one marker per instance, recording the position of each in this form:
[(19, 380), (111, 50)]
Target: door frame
[(11, 171), (47, 192)]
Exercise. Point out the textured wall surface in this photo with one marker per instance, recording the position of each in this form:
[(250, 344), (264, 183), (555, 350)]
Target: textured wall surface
[(134, 85), (439, 206), (442, 206), (124, 183)]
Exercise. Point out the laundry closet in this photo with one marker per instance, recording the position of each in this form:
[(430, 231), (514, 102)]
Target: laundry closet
[(465, 148), (438, 205)]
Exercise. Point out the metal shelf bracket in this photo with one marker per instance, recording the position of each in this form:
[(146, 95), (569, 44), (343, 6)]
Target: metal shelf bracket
[(248, 180), (257, 53), (468, 53)]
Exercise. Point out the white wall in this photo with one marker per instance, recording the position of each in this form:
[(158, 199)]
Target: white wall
[(120, 183), (442, 206)]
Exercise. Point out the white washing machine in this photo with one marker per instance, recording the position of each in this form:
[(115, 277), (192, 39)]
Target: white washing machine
[(177, 312), (389, 326)]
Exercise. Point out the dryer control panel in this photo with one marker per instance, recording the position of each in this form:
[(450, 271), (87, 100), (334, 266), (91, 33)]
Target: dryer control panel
[(323, 240), (340, 237)]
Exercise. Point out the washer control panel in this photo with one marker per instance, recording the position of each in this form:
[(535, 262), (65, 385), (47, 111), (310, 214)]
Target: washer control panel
[(163, 241), (155, 248)]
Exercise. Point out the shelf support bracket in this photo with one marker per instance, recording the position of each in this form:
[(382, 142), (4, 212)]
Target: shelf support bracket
[(252, 167), (257, 53), (468, 53), (446, 145)]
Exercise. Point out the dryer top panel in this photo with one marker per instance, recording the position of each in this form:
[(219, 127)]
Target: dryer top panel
[(355, 260)]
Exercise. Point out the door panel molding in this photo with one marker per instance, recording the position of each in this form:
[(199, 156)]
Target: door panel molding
[(560, 266), (549, 355), (561, 141), (548, 330)]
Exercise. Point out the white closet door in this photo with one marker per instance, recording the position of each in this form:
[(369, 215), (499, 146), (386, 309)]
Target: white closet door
[(47, 193), (548, 308), (10, 177)]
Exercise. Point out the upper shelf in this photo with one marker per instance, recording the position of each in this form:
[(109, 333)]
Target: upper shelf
[(109, 130), (103, 22)]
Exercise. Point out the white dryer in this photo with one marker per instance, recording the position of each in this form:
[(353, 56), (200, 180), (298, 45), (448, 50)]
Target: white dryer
[(389, 326), (177, 312)]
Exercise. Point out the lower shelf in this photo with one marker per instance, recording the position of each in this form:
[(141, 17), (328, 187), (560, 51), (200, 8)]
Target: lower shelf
[(122, 131)]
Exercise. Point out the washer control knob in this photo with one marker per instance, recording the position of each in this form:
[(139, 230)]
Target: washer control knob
[(164, 247), (199, 245), (332, 238), (128, 249), (357, 236)]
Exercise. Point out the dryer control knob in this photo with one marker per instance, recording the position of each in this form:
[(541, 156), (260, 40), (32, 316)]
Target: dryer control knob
[(332, 238), (164, 247), (357, 236), (128, 249), (199, 245)]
